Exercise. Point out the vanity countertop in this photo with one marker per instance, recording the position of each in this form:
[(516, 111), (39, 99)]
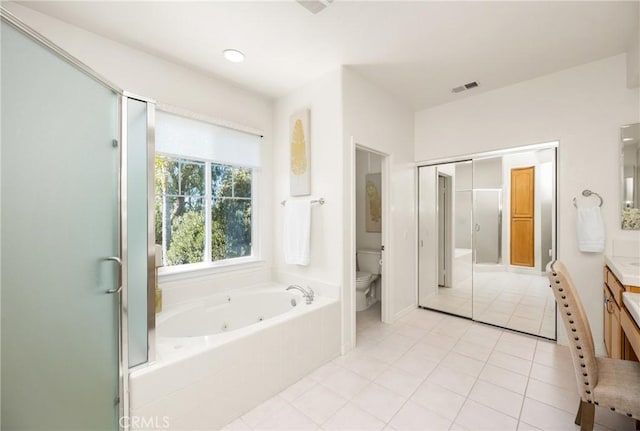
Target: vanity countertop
[(632, 302), (627, 269)]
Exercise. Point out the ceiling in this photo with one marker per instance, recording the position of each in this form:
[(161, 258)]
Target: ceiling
[(416, 50)]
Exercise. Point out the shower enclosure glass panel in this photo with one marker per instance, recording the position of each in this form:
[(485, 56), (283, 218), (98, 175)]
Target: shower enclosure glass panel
[(487, 212), (445, 229), (59, 212)]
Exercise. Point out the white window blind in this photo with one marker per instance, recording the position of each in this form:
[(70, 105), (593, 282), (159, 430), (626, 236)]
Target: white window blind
[(196, 139)]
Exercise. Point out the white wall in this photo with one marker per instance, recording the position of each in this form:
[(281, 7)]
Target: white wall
[(323, 98), (366, 163), (169, 83), (582, 108), (375, 120)]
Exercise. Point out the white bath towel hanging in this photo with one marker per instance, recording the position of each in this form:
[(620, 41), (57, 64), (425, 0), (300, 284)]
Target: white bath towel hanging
[(590, 230), (297, 232)]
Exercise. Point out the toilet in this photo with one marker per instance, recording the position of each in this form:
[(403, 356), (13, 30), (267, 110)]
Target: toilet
[(366, 277)]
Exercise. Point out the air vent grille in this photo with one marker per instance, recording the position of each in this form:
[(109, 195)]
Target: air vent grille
[(467, 86)]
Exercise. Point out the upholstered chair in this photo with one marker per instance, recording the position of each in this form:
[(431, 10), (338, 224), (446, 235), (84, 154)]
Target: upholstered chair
[(610, 383)]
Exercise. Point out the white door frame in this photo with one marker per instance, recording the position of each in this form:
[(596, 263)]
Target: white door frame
[(350, 285)]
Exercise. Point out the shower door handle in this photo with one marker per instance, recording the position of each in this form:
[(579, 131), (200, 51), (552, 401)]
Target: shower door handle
[(119, 279), (477, 227)]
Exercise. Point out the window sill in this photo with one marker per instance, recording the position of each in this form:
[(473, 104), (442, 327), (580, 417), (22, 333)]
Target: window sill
[(179, 272)]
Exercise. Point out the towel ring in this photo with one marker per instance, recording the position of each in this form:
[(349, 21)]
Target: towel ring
[(586, 193)]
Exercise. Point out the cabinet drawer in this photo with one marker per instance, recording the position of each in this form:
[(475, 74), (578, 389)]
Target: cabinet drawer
[(615, 286)]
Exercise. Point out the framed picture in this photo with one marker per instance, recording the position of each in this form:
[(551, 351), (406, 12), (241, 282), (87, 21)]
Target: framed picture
[(373, 202), (300, 161)]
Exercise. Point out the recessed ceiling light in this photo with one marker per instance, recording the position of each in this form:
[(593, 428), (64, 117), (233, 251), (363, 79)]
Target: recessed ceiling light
[(233, 55)]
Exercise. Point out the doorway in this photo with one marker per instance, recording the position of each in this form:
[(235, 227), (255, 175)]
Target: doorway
[(369, 198)]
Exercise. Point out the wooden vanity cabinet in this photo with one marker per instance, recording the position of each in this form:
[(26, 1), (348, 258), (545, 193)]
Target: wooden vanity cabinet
[(616, 342), (613, 337)]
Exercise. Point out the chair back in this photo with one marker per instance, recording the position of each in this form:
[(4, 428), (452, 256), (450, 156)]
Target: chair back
[(578, 330)]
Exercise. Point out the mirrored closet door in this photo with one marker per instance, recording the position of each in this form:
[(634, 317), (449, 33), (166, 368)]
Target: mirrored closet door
[(446, 257), (486, 235)]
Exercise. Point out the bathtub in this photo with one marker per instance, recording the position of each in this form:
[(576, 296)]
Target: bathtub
[(220, 356), (226, 312)]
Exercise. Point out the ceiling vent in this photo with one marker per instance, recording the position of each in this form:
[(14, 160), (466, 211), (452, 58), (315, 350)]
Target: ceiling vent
[(467, 86), (314, 6)]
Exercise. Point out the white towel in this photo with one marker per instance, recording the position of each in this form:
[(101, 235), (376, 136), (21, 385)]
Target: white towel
[(590, 230), (297, 232)]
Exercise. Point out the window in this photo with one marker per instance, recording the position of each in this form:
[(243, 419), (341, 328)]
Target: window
[(204, 180), (197, 223)]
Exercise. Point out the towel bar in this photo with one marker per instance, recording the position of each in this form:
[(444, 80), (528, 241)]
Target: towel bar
[(587, 193), (315, 201)]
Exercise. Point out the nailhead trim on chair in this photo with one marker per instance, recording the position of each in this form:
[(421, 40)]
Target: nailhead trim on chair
[(573, 329)]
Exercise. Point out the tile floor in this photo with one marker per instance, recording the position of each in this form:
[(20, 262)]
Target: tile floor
[(522, 302), (430, 371)]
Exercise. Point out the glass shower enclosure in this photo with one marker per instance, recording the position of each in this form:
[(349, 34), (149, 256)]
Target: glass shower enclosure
[(74, 284)]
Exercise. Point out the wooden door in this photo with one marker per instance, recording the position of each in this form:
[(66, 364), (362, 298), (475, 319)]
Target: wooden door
[(522, 216)]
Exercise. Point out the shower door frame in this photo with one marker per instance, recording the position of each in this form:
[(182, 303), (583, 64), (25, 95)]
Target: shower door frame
[(487, 154), (476, 226), (122, 96)]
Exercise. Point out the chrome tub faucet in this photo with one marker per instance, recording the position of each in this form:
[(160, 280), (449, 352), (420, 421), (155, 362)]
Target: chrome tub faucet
[(307, 293)]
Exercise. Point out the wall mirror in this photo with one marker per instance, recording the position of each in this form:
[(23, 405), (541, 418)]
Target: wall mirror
[(630, 167), (486, 235)]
